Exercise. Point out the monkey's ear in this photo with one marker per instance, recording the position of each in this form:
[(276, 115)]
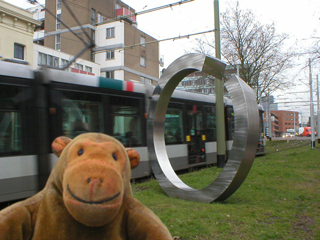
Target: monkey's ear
[(134, 157), (59, 144)]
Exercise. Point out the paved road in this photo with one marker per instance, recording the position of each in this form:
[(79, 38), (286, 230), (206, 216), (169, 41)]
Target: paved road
[(294, 138)]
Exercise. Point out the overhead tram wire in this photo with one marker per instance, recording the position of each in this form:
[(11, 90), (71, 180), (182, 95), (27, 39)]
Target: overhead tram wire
[(156, 41), (143, 12), (306, 102), (146, 11)]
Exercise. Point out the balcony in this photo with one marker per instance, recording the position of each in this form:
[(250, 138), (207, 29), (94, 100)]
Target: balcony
[(38, 35), (124, 12), (39, 15)]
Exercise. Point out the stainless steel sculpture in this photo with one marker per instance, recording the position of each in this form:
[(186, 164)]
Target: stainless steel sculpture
[(245, 137)]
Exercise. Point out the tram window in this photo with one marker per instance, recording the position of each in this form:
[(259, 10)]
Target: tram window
[(173, 126), (10, 120), (261, 124), (126, 121), (80, 116), (211, 123), (230, 123), (195, 121), (196, 131)]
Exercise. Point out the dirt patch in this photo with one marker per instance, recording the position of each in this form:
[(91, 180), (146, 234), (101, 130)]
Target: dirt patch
[(304, 223)]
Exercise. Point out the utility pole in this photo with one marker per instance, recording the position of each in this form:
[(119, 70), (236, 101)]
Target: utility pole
[(294, 123), (269, 115), (311, 107), (221, 133), (318, 110)]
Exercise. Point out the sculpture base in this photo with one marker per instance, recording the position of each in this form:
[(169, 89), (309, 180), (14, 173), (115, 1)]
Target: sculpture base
[(221, 161)]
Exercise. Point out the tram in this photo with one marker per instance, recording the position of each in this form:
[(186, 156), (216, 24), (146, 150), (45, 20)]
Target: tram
[(38, 106)]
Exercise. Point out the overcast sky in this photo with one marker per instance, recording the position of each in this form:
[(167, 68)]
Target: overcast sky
[(299, 19)]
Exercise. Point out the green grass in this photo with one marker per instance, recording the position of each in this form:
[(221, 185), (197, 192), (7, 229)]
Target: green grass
[(280, 199)]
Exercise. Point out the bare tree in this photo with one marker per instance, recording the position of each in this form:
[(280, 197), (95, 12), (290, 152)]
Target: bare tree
[(256, 49), (315, 50)]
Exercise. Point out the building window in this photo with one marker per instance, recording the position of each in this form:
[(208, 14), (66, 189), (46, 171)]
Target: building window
[(55, 61), (143, 41), (109, 55), (78, 66), (64, 62), (110, 74), (142, 61), (100, 18), (88, 69), (110, 32), (42, 60), (58, 42), (145, 80), (19, 51), (48, 60), (92, 56), (59, 4), (93, 37), (58, 21), (93, 16)]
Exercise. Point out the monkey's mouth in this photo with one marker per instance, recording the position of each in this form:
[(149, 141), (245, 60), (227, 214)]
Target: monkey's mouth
[(91, 202)]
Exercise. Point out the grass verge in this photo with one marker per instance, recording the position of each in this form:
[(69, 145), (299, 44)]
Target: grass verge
[(280, 199)]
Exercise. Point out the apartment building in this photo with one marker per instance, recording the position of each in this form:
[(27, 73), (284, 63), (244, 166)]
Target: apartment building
[(287, 120), (122, 50), (17, 26), (199, 83), (271, 124), (202, 83), (282, 121)]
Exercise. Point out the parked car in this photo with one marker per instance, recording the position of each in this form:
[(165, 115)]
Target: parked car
[(288, 135)]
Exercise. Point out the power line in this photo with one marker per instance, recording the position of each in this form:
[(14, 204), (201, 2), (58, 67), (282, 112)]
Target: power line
[(306, 101), (156, 41)]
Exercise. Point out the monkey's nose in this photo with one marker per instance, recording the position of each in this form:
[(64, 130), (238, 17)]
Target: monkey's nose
[(94, 180)]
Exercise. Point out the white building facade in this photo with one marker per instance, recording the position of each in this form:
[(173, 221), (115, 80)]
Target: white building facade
[(44, 56), (16, 26), (109, 52)]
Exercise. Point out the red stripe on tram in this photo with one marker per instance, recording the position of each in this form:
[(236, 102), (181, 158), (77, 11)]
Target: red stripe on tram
[(129, 86)]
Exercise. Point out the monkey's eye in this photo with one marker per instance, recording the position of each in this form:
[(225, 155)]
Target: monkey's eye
[(80, 152), (114, 156)]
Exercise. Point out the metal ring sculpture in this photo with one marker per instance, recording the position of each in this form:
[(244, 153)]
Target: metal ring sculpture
[(246, 133)]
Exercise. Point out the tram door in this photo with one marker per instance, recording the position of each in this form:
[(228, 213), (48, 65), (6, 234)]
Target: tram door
[(195, 135)]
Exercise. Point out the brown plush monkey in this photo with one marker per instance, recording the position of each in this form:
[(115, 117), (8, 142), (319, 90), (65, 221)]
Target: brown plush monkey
[(88, 196)]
